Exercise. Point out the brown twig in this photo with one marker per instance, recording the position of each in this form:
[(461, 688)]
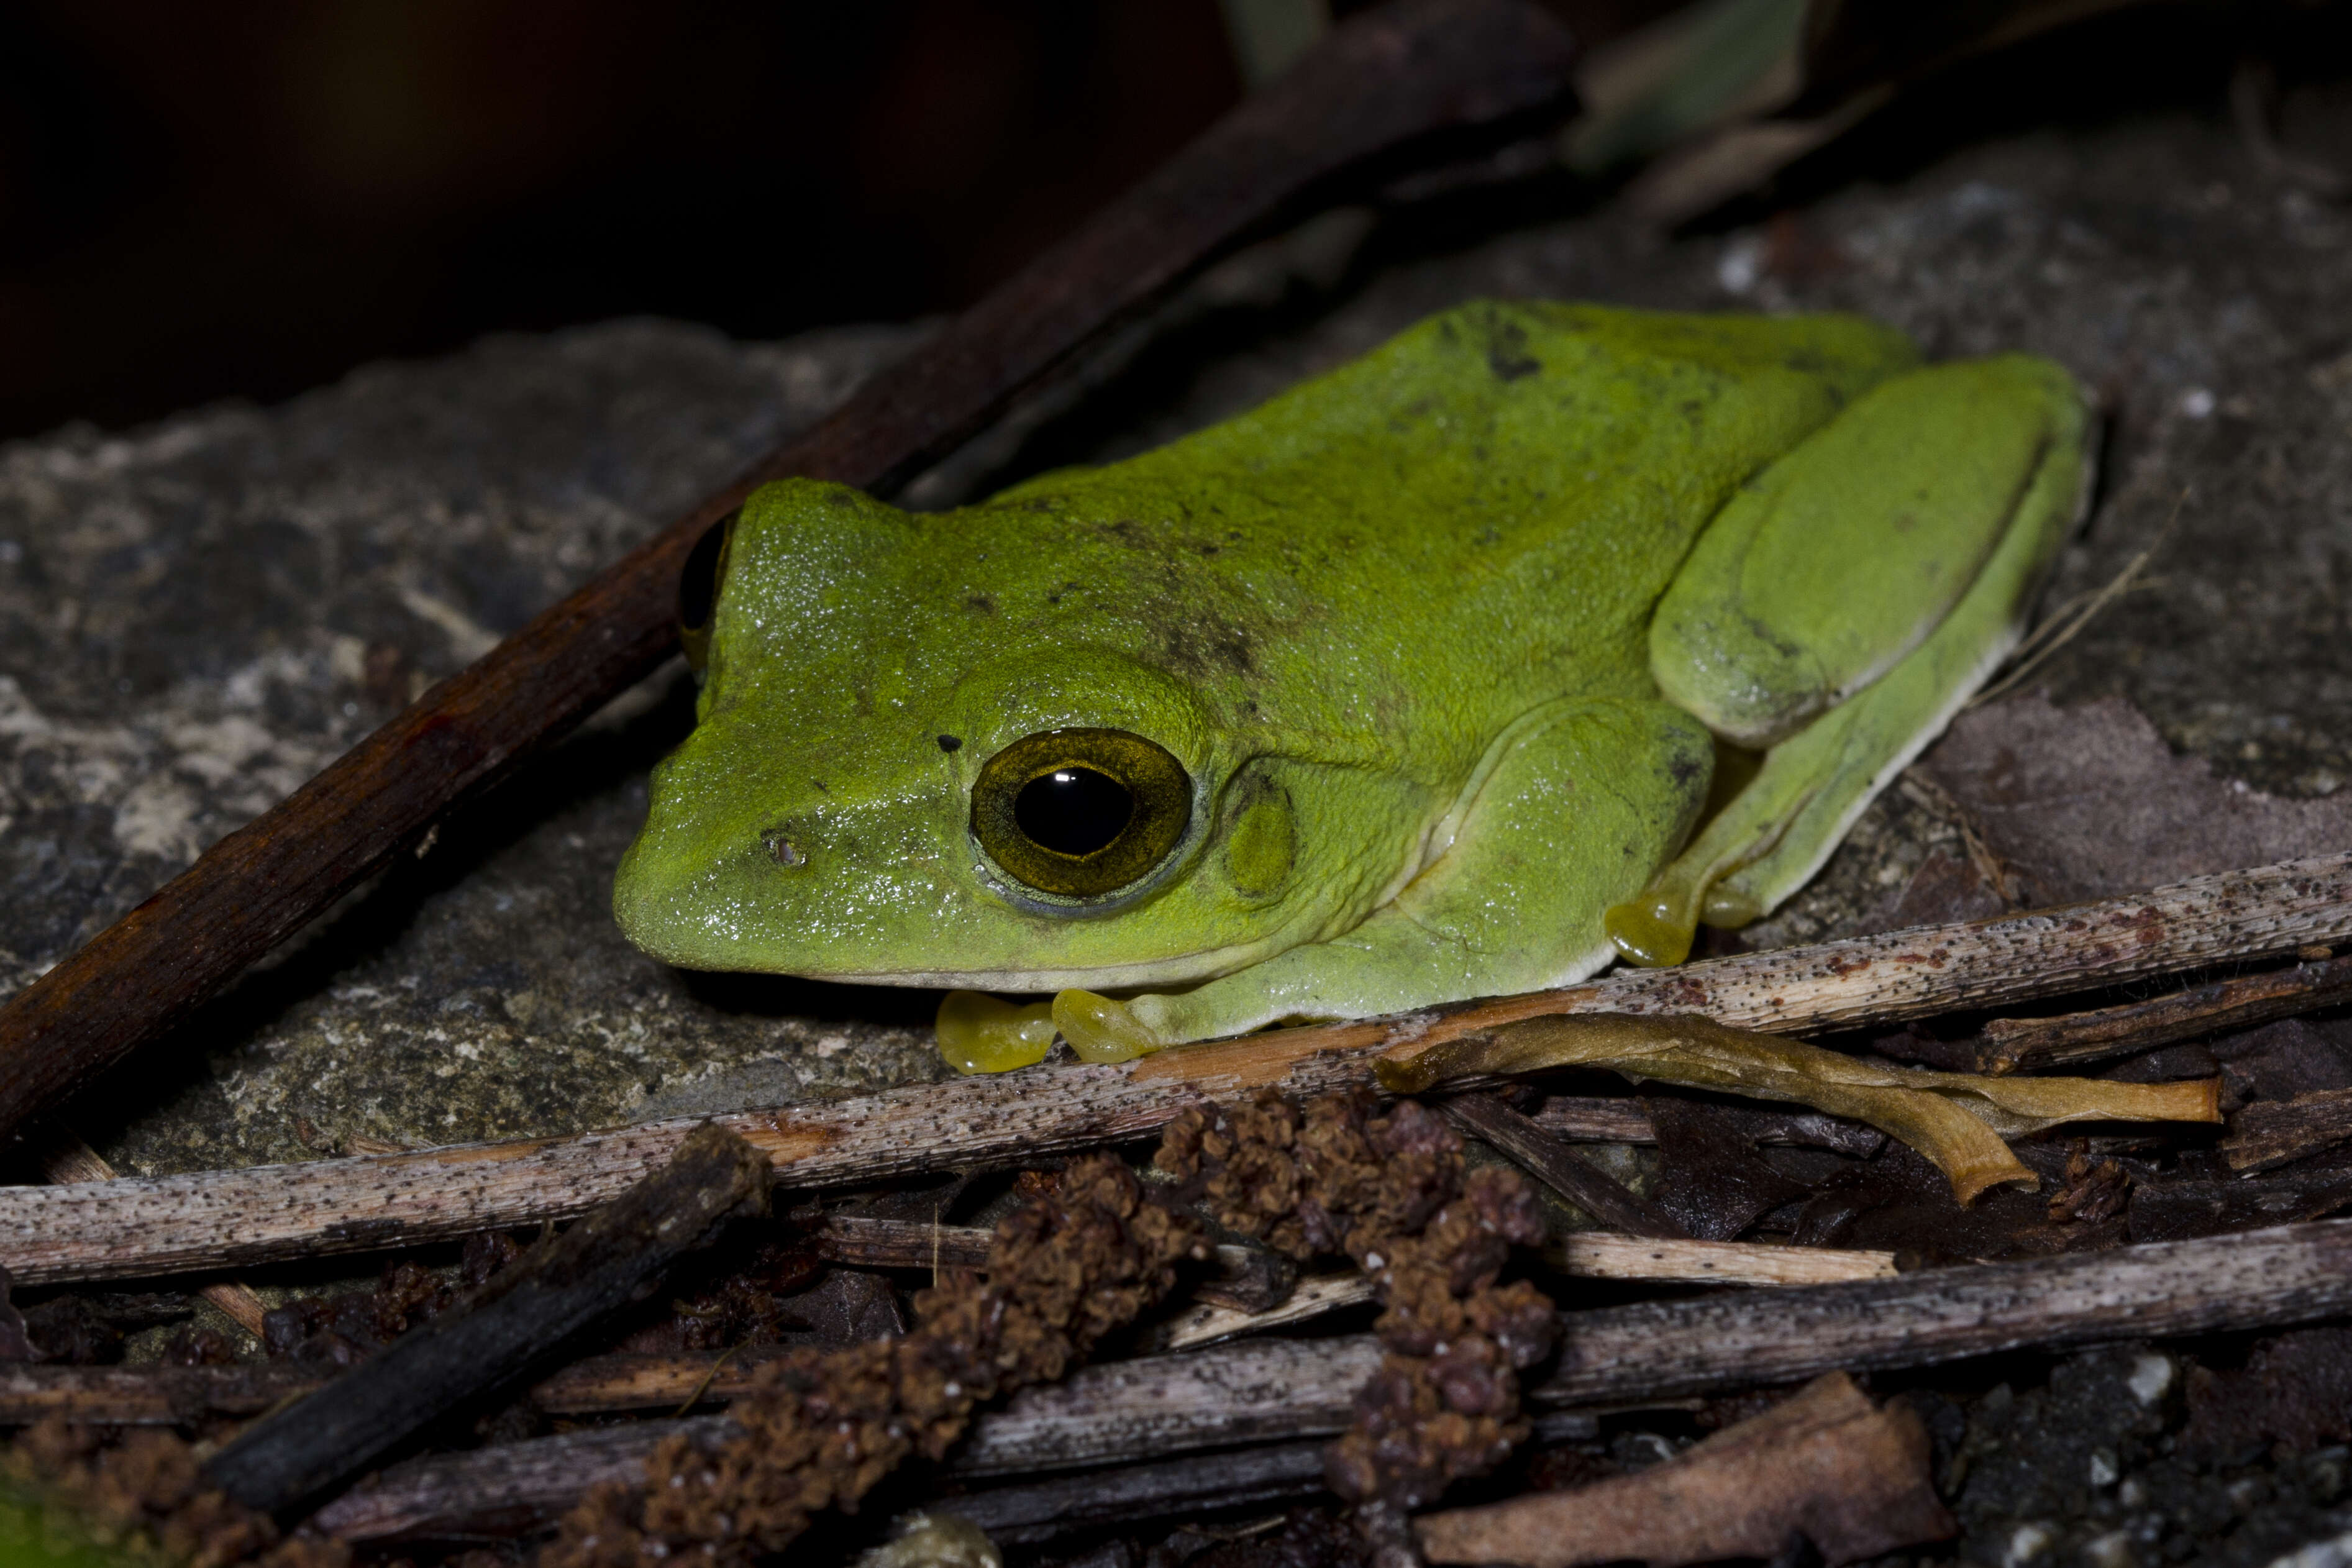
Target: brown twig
[(151, 1226), (1578, 1179), (2030, 1045), (1414, 76), (2271, 1133), (524, 1315), (1597, 1119)]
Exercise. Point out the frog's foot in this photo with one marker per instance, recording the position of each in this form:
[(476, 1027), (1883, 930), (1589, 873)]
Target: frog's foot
[(977, 1032), (1655, 928), (1102, 1030)]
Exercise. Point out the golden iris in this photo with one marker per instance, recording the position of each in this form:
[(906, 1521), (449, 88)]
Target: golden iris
[(1080, 813)]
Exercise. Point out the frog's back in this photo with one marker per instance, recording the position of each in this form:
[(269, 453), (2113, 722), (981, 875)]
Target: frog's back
[(1491, 501)]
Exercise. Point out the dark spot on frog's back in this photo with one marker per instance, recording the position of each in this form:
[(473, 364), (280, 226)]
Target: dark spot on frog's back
[(1507, 352), (1194, 649), (979, 604)]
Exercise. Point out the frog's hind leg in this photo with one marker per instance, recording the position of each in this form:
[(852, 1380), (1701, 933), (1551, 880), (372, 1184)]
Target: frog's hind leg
[(1841, 610)]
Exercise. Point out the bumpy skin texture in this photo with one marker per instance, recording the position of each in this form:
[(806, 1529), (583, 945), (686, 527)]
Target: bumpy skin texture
[(1395, 625)]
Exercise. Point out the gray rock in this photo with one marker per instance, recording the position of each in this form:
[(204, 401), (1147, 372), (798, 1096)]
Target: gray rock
[(193, 617)]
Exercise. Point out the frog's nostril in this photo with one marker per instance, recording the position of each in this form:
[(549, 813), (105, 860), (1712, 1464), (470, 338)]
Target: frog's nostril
[(781, 849)]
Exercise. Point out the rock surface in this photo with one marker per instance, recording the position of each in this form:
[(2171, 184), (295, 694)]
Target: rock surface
[(195, 616)]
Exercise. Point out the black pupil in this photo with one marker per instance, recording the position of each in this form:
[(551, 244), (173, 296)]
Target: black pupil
[(1073, 810)]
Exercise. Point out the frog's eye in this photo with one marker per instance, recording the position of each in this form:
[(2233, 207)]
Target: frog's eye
[(1080, 813), (698, 588)]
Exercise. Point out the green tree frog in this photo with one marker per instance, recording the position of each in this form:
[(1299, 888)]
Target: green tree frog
[(1532, 639)]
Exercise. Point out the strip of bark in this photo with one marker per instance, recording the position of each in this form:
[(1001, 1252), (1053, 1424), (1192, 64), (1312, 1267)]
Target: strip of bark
[(523, 1315), (223, 1219), (1852, 1478), (2269, 1134), (2032, 1045), (1279, 1390), (1578, 1179), (1419, 77)]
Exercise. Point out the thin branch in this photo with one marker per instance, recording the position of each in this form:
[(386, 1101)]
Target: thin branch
[(1282, 1391), (225, 1219), (1581, 1183), (2033, 1044)]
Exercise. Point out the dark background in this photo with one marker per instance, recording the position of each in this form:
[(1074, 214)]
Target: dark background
[(199, 201)]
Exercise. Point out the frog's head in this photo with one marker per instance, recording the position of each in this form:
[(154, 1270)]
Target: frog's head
[(879, 791)]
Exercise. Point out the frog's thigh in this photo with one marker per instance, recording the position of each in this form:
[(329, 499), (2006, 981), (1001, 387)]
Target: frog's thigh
[(1583, 801), (1866, 688)]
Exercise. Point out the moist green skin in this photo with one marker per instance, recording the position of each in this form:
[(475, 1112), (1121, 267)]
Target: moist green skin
[(1347, 614)]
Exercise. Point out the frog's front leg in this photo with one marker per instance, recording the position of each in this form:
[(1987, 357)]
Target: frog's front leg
[(1573, 809), (1841, 609)]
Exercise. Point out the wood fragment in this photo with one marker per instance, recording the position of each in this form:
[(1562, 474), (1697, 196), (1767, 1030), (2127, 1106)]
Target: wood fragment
[(2177, 1210), (65, 1158), (1042, 1511), (1851, 1477), (1578, 1179), (1283, 1390), (1209, 1324), (522, 1316), (2032, 1045), (1596, 1255), (2268, 1133), (144, 1395), (225, 1219), (1423, 78), (1600, 1118)]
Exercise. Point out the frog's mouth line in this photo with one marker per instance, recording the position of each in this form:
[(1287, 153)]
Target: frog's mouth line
[(1161, 974)]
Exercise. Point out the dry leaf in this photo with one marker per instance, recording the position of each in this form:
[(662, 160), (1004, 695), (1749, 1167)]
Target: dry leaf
[(1957, 1120), (2088, 801), (1851, 1477)]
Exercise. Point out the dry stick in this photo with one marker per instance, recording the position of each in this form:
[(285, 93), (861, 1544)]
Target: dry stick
[(1040, 1510), (524, 1315), (1417, 76), (1585, 1119), (1590, 1188), (1285, 1389), (2032, 1045), (2272, 1133), (221, 1219), (65, 1158)]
